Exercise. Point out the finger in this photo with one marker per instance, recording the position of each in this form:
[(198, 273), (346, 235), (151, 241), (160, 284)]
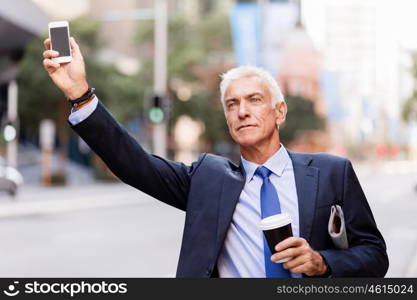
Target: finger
[(295, 262), (76, 52), (50, 54), (47, 44), (287, 253), (289, 242), (304, 268), (50, 65)]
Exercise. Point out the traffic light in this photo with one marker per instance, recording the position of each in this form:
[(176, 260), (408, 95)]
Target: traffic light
[(156, 111), (9, 132)]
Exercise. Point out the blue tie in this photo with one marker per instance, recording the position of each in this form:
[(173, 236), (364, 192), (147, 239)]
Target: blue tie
[(270, 206)]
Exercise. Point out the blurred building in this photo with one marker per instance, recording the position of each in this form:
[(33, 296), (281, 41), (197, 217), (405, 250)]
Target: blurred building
[(346, 32), (361, 68), (299, 75), (299, 71), (20, 21), (270, 34)]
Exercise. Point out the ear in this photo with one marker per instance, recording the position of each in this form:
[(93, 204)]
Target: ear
[(281, 112)]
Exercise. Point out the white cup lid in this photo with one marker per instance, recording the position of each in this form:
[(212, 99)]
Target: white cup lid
[(275, 221)]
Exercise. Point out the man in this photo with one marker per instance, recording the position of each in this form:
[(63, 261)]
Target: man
[(224, 202)]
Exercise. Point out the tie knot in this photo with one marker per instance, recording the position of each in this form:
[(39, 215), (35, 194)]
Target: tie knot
[(263, 172)]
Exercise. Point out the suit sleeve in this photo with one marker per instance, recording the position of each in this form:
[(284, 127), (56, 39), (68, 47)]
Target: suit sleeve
[(366, 255), (163, 179)]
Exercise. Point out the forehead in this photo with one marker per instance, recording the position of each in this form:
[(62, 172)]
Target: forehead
[(245, 86)]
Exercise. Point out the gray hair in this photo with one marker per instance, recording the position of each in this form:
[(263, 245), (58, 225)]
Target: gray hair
[(246, 71)]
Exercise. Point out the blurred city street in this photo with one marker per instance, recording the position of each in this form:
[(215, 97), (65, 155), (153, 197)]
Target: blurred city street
[(95, 230)]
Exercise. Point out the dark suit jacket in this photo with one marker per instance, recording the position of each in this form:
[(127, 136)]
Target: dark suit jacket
[(209, 189)]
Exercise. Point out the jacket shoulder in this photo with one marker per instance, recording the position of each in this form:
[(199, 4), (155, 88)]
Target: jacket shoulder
[(216, 162), (318, 159), (329, 158)]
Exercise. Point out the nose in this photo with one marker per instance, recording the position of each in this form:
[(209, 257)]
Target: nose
[(243, 110)]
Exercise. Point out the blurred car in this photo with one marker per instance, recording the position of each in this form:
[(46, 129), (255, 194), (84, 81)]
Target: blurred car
[(10, 178)]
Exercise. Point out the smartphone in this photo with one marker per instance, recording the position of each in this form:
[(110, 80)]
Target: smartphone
[(59, 35)]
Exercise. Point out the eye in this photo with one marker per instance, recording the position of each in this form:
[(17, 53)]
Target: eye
[(255, 99), (231, 104)]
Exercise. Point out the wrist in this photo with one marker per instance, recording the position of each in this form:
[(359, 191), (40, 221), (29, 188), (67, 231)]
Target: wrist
[(77, 91), (83, 100), (84, 103)]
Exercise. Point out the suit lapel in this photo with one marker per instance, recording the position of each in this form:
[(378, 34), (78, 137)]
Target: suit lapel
[(232, 187), (306, 182)]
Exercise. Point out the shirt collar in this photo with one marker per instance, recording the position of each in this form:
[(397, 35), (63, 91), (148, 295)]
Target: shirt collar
[(276, 163)]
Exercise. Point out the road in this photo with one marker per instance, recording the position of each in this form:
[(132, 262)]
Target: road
[(99, 230), (93, 231), (391, 192)]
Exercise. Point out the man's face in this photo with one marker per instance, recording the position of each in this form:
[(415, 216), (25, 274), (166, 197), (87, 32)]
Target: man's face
[(249, 112)]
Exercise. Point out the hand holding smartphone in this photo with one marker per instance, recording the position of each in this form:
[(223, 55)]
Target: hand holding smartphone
[(59, 36), (69, 77)]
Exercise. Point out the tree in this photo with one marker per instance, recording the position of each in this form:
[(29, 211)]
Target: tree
[(301, 117), (409, 110)]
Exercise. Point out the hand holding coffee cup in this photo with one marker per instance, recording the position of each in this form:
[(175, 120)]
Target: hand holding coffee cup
[(277, 228)]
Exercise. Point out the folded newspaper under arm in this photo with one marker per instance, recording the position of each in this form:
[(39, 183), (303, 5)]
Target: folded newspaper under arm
[(337, 228)]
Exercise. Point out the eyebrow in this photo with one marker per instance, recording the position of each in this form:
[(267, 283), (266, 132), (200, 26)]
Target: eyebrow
[(254, 94), (247, 96)]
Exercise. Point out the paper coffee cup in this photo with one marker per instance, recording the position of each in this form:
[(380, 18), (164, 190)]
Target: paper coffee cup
[(277, 228)]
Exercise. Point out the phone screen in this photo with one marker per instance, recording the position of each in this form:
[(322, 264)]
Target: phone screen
[(60, 42)]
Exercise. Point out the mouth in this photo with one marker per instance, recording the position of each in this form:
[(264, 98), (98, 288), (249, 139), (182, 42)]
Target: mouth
[(245, 127)]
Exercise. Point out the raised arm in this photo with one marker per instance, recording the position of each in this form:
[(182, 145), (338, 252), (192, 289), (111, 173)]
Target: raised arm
[(163, 179)]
